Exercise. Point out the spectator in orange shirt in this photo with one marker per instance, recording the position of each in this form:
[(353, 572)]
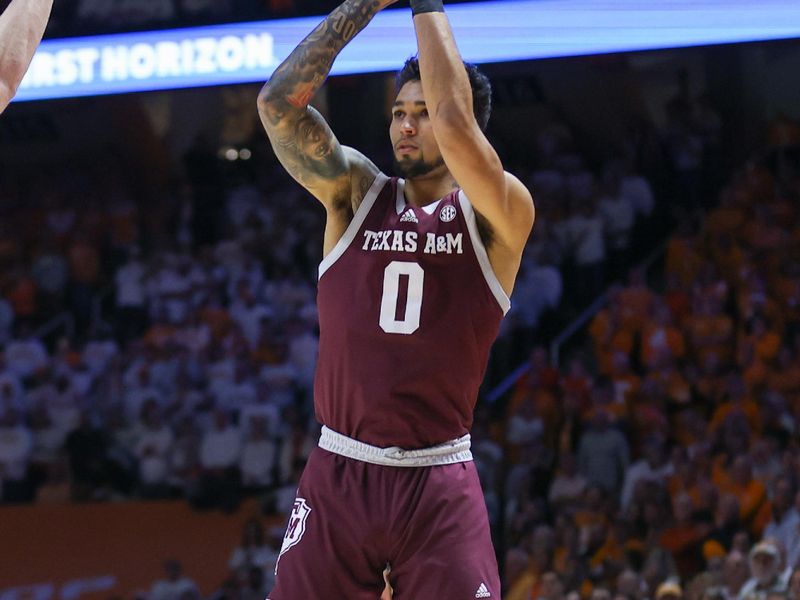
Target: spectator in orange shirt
[(784, 376), (577, 381), (727, 253), (22, 298), (626, 383), (684, 537), (666, 385), (608, 334), (737, 401), (751, 492), (683, 260), (765, 340), (660, 336), (709, 328), (635, 301)]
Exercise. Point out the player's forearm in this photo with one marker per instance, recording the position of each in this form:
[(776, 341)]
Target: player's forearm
[(445, 83), (304, 71), (22, 26)]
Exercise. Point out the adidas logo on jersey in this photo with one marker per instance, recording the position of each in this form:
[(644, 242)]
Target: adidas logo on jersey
[(409, 217), (483, 592)]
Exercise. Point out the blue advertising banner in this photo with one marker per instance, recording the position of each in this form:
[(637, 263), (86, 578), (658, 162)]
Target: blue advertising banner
[(496, 31)]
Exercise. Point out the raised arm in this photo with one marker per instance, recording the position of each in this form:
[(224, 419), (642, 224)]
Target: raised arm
[(22, 26), (302, 140), (498, 197)]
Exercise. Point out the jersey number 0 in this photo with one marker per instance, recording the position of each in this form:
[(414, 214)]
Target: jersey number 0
[(408, 321)]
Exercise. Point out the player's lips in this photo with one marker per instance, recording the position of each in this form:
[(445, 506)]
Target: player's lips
[(405, 147)]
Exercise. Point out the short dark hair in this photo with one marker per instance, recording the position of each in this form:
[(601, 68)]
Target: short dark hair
[(481, 88)]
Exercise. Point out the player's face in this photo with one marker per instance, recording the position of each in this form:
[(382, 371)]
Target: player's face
[(416, 152)]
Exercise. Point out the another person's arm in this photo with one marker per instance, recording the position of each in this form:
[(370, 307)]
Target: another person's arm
[(304, 143), (22, 26), (498, 197)]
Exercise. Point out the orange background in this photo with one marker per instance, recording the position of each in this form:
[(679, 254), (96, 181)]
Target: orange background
[(130, 540)]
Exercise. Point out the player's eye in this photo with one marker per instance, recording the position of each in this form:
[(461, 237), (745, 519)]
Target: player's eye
[(398, 114), (424, 112)]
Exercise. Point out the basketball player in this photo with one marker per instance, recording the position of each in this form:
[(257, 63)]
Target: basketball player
[(22, 26), (416, 276)]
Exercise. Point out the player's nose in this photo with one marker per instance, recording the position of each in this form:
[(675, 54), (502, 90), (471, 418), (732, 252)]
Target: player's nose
[(408, 126)]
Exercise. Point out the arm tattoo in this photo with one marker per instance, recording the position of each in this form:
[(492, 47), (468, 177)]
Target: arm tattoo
[(300, 137)]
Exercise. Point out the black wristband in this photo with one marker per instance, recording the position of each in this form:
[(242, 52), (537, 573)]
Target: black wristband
[(425, 6)]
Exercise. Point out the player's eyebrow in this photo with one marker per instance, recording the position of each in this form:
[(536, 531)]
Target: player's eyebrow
[(416, 103)]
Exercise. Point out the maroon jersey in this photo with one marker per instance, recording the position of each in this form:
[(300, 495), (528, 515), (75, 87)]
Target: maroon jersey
[(408, 309)]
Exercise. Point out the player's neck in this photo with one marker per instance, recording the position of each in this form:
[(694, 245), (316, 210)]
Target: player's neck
[(421, 191)]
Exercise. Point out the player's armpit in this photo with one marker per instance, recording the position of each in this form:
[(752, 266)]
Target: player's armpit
[(362, 175), (498, 196), (506, 231)]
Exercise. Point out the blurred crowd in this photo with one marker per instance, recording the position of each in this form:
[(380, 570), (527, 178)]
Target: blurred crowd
[(664, 462)]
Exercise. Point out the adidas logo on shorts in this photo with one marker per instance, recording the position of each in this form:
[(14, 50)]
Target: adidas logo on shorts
[(409, 217), (483, 592)]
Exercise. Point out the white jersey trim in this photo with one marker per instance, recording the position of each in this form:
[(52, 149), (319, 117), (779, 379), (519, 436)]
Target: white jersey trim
[(480, 253), (352, 229), (400, 198), (401, 205), (454, 451)]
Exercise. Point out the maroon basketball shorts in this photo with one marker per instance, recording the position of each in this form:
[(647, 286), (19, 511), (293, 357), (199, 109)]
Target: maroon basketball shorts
[(352, 517)]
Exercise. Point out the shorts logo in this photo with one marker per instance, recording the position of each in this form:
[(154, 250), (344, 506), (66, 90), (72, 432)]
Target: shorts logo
[(448, 213), (296, 527)]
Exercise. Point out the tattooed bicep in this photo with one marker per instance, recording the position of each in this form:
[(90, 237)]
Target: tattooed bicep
[(306, 146)]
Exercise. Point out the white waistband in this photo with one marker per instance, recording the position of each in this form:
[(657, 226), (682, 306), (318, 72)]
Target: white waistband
[(454, 451)]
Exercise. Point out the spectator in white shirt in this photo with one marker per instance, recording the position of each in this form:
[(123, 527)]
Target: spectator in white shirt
[(48, 439), (131, 313), (174, 287), (618, 217), (586, 232), (64, 405), (174, 584), (152, 450), (25, 355), (98, 352), (303, 350), (568, 485), (233, 395), (603, 452), (257, 463), (248, 313), (639, 193), (12, 394), (220, 453), (784, 524), (253, 550), (766, 573), (222, 445), (526, 426), (184, 456), (653, 466), (537, 290), (16, 445)]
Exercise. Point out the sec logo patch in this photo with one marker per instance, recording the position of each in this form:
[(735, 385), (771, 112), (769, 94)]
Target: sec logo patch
[(448, 213)]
